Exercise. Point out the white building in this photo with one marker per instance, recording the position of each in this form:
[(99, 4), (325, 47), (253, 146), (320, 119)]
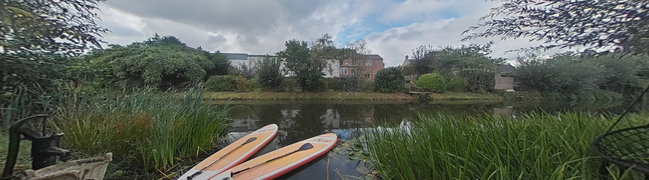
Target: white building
[(239, 59)]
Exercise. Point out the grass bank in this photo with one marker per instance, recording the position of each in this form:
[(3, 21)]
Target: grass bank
[(147, 131), (532, 146), (306, 96), (465, 96)]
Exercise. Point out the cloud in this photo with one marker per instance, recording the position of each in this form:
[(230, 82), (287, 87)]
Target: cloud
[(392, 28)]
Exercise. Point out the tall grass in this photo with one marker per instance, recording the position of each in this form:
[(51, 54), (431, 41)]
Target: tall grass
[(146, 129), (534, 146)]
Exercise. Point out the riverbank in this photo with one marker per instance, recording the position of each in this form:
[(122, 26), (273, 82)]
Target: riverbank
[(306, 96), (449, 96), (362, 96)]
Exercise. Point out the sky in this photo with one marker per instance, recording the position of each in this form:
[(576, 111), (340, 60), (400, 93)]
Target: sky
[(391, 28)]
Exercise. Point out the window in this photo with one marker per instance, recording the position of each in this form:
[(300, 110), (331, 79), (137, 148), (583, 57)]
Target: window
[(368, 62), (343, 71)]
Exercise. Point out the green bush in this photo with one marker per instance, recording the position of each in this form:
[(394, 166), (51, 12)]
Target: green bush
[(221, 83), (456, 84), (349, 84), (269, 73), (290, 85), (244, 84), (367, 86), (432, 82), (389, 80)]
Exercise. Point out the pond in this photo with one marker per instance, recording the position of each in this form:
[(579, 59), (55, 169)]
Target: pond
[(299, 120)]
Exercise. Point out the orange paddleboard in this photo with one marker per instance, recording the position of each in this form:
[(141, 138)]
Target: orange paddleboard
[(274, 164), (232, 154)]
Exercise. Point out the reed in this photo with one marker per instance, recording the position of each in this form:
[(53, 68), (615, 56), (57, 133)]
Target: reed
[(146, 130), (532, 146)]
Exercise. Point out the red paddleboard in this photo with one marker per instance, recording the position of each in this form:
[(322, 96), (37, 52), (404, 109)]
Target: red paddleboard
[(232, 154), (274, 164)]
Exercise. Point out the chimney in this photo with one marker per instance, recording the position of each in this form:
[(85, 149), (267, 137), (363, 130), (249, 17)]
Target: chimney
[(406, 57)]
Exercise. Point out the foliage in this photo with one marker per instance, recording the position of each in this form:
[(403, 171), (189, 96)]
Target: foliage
[(243, 70), (576, 23), (162, 62), (349, 84), (221, 83), (270, 73), (471, 63), (389, 80), (298, 61), (532, 146), (145, 130), (456, 84), (64, 27), (432, 82), (307, 64), (35, 37), (571, 73), (244, 84)]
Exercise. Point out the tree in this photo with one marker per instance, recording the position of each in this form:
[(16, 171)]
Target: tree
[(389, 80), (564, 73), (470, 63), (36, 36), (570, 23), (308, 63), (432, 82), (270, 73), (162, 62)]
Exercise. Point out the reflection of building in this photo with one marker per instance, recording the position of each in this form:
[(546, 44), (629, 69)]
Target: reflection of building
[(244, 124)]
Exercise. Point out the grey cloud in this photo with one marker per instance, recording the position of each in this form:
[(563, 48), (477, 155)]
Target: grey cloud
[(216, 39)]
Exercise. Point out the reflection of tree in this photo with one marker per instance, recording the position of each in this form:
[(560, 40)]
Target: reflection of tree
[(331, 119), (305, 124)]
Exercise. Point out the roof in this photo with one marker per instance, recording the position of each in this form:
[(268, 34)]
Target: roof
[(506, 69), (236, 56), (373, 56)]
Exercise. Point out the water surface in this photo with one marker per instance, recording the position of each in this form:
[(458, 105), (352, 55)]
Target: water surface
[(299, 120)]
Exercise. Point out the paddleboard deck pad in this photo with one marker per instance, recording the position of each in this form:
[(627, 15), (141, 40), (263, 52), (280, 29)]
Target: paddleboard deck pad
[(276, 163), (233, 154)]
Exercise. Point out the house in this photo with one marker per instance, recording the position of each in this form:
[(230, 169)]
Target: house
[(240, 59), (407, 61), (409, 76), (367, 66), (504, 78)]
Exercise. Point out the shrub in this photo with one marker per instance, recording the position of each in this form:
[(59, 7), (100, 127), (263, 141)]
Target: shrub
[(269, 73), (389, 80), (456, 84), (432, 82), (349, 84), (244, 84), (290, 85), (221, 83)]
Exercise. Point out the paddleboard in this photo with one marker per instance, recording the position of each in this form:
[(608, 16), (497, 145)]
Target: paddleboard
[(276, 163), (232, 155)]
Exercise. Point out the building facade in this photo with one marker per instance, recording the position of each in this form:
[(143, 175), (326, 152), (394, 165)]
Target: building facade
[(366, 66)]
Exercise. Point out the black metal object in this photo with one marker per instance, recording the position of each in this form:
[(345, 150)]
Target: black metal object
[(627, 148), (45, 144)]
